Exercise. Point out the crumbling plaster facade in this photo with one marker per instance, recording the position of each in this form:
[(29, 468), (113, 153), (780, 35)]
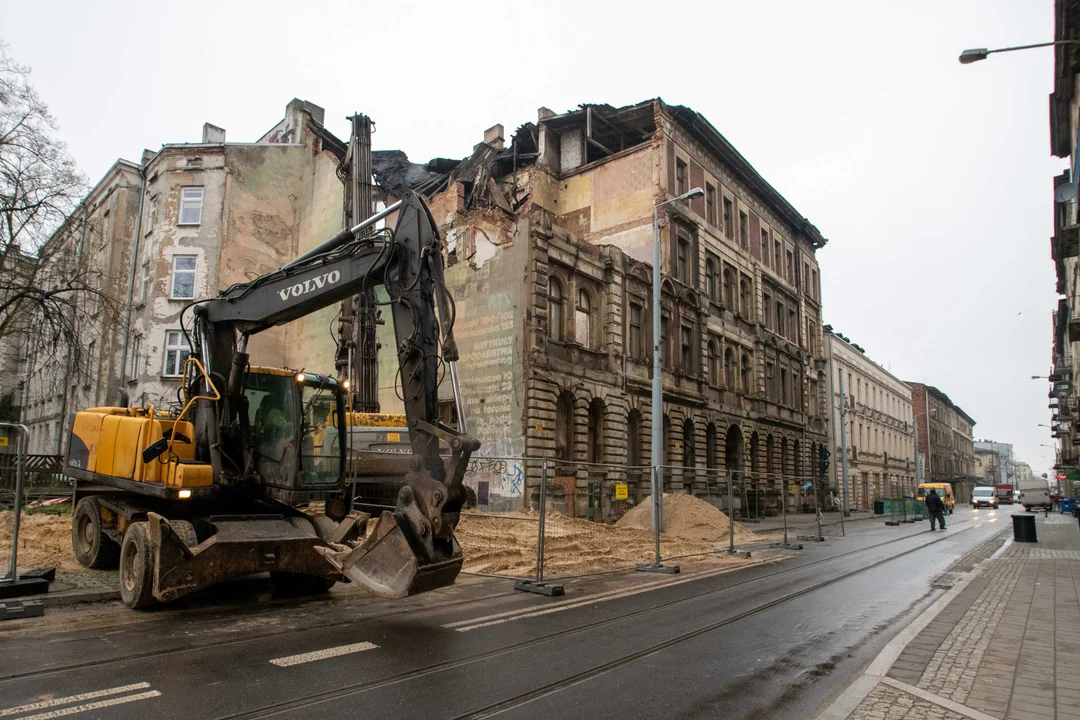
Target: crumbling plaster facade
[(567, 225), (259, 205)]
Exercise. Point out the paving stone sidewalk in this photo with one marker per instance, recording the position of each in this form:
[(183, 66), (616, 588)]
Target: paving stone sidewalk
[(1007, 646)]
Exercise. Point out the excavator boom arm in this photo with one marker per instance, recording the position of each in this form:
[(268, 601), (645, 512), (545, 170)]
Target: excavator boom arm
[(408, 264)]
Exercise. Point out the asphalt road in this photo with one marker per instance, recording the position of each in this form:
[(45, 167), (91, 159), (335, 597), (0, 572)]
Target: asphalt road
[(775, 640)]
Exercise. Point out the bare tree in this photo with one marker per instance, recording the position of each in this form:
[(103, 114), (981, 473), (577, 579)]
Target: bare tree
[(48, 291)]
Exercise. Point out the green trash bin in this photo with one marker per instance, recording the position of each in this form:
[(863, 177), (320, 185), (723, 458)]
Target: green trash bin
[(1024, 528)]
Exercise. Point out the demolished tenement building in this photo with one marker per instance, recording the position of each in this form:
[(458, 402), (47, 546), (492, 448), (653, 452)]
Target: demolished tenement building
[(181, 226), (549, 245)]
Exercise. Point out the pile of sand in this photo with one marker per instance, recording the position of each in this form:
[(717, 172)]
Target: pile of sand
[(687, 517), (44, 541), (507, 544)]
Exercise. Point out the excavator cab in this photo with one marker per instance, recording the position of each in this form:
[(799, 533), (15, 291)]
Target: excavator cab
[(297, 442)]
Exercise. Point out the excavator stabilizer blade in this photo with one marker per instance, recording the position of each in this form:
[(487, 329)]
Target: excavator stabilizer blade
[(386, 565)]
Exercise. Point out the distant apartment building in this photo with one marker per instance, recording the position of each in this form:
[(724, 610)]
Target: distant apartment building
[(1065, 243), (183, 225), (945, 439), (549, 252), (879, 423), (997, 458)]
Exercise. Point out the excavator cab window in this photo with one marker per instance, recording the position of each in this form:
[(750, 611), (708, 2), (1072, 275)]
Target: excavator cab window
[(322, 439), (273, 411)]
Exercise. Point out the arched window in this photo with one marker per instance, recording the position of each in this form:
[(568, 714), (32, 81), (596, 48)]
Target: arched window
[(711, 287), (714, 363), (595, 432), (710, 447), (555, 310), (746, 386), (633, 438), (688, 444), (583, 319), (744, 298), (729, 289), (731, 369), (564, 427)]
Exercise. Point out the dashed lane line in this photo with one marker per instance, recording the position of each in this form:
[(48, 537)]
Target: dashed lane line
[(314, 655), (92, 706), (55, 702)]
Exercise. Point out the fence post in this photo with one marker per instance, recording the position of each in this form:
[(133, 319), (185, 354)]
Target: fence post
[(11, 587), (538, 585), (783, 510), (731, 513)]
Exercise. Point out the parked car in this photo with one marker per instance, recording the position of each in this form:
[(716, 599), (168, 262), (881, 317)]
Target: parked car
[(984, 496)]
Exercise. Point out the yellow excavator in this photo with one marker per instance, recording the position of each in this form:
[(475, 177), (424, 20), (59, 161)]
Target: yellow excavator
[(181, 501)]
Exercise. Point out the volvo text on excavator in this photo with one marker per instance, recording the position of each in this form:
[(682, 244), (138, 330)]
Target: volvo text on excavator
[(186, 499)]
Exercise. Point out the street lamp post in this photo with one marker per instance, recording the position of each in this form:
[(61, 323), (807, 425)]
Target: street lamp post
[(976, 54), (658, 390)]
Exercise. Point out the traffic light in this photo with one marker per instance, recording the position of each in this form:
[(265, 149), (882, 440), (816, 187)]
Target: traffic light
[(823, 461)]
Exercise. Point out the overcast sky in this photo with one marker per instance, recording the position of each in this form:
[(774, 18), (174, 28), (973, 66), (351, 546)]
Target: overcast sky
[(931, 179)]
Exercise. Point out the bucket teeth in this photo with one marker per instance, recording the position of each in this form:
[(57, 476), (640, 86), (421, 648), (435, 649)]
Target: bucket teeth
[(386, 565)]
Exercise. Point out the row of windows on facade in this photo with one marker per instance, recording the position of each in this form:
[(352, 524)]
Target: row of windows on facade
[(732, 371), (787, 455), (874, 397), (870, 441), (773, 254)]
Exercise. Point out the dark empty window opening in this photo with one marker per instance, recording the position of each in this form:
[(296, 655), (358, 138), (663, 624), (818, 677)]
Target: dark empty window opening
[(637, 335), (744, 230), (765, 246), (729, 218), (687, 349), (710, 204), (680, 177)]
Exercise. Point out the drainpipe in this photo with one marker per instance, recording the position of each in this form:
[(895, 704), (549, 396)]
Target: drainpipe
[(131, 286), (71, 347)]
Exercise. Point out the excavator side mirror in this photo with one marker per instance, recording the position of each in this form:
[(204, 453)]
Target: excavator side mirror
[(155, 450)]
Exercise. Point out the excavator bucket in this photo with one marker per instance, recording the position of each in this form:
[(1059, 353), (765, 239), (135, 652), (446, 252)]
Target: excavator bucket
[(386, 565)]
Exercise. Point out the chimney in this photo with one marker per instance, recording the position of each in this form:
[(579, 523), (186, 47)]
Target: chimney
[(147, 156), (494, 136), (212, 134), (543, 113)]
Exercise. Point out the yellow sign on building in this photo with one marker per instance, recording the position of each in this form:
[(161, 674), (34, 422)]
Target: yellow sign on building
[(3, 442), (621, 491)]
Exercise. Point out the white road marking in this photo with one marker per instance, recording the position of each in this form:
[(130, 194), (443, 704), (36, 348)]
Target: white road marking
[(323, 654), (73, 698), (92, 706), (521, 614)]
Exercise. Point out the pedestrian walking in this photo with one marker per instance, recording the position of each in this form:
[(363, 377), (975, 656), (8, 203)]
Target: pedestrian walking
[(935, 508)]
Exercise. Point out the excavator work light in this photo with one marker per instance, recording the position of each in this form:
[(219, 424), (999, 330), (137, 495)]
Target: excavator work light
[(184, 494), (299, 377)]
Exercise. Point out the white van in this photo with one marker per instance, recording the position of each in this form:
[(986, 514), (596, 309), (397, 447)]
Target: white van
[(1035, 493)]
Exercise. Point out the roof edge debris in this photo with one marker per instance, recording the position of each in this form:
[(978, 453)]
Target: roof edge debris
[(613, 125)]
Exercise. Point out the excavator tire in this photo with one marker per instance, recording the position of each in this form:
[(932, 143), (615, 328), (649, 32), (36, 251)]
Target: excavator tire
[(92, 547), (296, 584), (136, 567)]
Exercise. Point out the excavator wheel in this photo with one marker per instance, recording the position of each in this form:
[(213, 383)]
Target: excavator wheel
[(92, 547), (136, 567), (290, 583)]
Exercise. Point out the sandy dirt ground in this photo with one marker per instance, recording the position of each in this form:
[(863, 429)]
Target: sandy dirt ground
[(500, 545), (44, 541), (507, 545)]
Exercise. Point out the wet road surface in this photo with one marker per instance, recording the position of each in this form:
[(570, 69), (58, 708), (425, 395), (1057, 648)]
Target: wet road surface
[(775, 640)]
